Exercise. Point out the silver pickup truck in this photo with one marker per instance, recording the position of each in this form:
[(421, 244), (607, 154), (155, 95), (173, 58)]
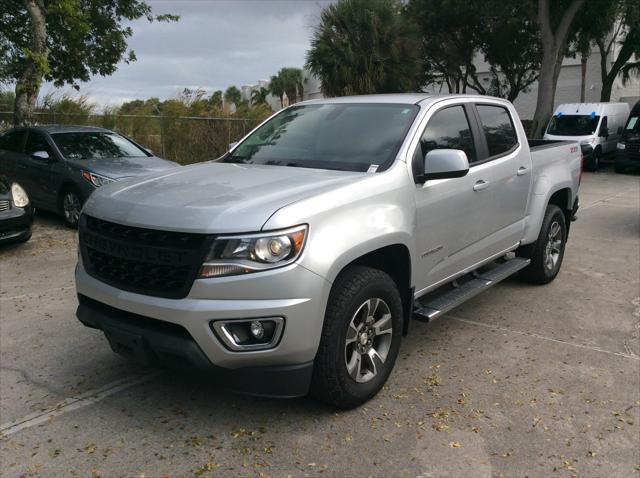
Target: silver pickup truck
[(295, 263)]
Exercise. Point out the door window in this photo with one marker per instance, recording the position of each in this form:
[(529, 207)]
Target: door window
[(36, 142), (12, 141), (498, 129), (449, 129)]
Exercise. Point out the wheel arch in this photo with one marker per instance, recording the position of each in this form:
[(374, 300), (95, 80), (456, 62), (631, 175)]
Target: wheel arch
[(395, 260)]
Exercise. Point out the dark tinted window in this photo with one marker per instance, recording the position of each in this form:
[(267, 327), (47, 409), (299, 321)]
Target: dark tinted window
[(350, 137), (498, 129), (12, 141), (95, 145), (36, 142), (449, 129)]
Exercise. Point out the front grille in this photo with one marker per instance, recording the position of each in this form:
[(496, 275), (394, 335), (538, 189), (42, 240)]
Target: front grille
[(5, 206), (632, 147), (140, 260)]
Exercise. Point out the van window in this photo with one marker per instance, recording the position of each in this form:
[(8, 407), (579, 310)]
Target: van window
[(573, 125), (449, 129), (498, 129)]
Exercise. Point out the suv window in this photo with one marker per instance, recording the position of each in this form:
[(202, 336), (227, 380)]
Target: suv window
[(449, 129), (498, 129), (36, 142), (12, 141)]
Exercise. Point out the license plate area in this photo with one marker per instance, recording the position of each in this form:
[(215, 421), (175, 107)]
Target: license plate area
[(130, 345)]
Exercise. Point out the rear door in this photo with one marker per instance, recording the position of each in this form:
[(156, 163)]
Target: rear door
[(11, 147), (506, 166)]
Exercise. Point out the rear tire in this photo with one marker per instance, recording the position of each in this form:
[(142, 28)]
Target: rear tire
[(547, 252), (360, 338)]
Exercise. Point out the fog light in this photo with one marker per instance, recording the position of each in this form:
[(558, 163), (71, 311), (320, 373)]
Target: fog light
[(257, 330), (250, 334)]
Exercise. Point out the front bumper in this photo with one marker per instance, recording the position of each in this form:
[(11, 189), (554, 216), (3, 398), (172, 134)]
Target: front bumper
[(238, 297), (15, 224), (628, 158)]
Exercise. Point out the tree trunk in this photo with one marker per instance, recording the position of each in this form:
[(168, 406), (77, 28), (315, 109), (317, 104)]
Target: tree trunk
[(28, 84), (583, 77), (553, 47)]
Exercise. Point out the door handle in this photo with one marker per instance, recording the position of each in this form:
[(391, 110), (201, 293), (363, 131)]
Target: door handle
[(522, 171), (480, 185)]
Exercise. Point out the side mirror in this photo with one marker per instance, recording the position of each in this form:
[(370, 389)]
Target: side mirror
[(604, 132), (232, 145), (445, 164), (42, 155)]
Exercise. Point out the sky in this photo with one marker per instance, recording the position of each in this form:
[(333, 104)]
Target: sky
[(215, 44)]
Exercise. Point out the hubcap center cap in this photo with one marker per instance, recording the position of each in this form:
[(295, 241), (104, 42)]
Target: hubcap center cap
[(364, 338)]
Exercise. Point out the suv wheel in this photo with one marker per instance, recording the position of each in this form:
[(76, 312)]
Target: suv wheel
[(547, 252), (71, 206), (360, 338)]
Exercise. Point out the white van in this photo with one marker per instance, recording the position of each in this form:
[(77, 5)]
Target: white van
[(596, 124)]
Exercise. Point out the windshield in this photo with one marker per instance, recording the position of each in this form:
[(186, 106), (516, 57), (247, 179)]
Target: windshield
[(95, 145), (349, 137), (573, 125)]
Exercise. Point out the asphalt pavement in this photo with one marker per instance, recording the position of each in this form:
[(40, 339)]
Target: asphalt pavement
[(520, 381)]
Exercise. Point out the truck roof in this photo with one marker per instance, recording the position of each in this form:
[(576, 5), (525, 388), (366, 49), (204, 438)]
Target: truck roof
[(394, 98)]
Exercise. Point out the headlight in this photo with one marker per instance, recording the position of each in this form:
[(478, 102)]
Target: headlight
[(96, 179), (234, 255), (20, 197), (621, 146)]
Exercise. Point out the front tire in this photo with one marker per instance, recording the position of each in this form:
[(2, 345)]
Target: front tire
[(547, 252), (360, 338), (70, 207), (593, 164)]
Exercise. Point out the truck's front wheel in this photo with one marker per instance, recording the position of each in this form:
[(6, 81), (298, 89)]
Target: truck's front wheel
[(360, 338)]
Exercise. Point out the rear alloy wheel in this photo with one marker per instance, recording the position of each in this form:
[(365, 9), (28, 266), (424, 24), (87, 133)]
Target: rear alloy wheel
[(71, 207), (547, 252), (360, 337)]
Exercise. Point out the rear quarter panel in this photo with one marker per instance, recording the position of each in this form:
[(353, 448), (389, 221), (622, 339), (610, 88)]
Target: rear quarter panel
[(555, 167)]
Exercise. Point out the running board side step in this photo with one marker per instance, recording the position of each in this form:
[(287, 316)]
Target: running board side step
[(442, 304)]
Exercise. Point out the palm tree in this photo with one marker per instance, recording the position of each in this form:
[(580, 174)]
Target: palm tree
[(259, 96), (233, 95), (292, 80), (366, 46), (276, 88)]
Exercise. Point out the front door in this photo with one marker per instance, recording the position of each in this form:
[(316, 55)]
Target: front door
[(39, 171), (449, 226)]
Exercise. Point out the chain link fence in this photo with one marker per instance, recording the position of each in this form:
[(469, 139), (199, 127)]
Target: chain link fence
[(183, 139)]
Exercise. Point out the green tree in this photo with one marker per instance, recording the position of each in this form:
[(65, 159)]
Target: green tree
[(555, 21), (233, 95), (259, 96), (449, 35), (292, 83), (365, 46), (215, 100), (64, 41), (277, 88), (513, 69), (624, 31)]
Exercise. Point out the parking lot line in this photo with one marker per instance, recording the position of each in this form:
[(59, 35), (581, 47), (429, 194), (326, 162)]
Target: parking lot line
[(74, 403), (544, 337)]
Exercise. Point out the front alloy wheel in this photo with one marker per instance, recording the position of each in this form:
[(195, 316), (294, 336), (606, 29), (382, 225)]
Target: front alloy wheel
[(368, 340), (360, 337), (71, 207), (553, 248)]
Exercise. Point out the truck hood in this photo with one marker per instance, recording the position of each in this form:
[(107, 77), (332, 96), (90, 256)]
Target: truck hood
[(211, 197), (118, 168)]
